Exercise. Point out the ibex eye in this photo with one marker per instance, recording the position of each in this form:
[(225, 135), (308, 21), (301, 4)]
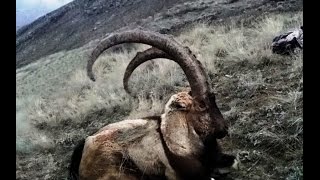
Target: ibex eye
[(179, 106)]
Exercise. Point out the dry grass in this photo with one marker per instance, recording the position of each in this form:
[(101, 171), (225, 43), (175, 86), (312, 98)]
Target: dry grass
[(260, 94)]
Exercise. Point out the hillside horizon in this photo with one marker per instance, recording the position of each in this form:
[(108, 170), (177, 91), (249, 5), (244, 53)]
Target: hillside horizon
[(79, 22)]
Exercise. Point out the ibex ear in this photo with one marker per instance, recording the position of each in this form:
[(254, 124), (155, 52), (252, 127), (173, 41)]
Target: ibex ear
[(175, 133)]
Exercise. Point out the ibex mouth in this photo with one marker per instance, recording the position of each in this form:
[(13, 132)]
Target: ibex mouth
[(221, 134), (226, 165)]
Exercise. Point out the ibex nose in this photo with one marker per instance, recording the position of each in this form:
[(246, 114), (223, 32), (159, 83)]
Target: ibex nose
[(221, 133)]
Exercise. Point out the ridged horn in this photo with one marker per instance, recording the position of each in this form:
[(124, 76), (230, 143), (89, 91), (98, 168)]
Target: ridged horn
[(140, 58), (193, 69)]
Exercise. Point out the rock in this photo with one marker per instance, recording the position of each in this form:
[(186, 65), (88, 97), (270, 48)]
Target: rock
[(287, 43)]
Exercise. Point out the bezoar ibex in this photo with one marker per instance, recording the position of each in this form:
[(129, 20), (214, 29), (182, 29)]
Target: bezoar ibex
[(181, 144)]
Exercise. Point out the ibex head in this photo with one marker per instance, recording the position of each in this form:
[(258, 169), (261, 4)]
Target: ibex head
[(203, 113)]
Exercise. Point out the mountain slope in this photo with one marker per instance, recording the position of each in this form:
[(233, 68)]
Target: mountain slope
[(259, 94), (81, 21)]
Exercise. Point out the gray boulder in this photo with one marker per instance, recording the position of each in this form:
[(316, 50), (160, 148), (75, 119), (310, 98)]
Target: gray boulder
[(287, 43)]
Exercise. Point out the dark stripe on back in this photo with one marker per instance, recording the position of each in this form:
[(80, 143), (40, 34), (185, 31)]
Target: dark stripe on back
[(157, 118)]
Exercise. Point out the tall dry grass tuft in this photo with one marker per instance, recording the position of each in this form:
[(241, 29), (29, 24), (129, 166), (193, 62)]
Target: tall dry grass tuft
[(27, 136), (236, 43)]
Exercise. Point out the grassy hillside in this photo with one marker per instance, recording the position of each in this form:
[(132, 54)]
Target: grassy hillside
[(81, 21), (259, 93)]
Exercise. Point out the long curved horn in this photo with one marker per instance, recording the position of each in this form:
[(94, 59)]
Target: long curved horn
[(193, 69), (141, 57)]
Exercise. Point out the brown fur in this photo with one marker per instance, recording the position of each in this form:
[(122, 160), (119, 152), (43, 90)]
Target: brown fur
[(137, 140), (165, 147), (175, 147)]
